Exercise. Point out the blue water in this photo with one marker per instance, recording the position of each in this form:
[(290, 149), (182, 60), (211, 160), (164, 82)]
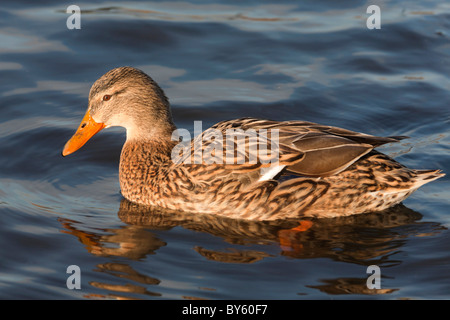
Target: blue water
[(218, 60)]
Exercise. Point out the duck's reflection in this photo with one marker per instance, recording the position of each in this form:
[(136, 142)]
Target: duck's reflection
[(361, 239), (349, 286), (132, 242)]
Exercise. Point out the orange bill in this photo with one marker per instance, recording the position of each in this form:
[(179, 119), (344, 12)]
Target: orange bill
[(88, 127)]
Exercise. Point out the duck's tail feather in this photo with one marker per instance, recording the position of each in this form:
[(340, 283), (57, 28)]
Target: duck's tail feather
[(425, 176)]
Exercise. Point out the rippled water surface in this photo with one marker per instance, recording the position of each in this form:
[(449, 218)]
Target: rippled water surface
[(217, 60)]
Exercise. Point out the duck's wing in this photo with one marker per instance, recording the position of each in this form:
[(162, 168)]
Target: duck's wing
[(328, 150), (302, 148), (227, 147)]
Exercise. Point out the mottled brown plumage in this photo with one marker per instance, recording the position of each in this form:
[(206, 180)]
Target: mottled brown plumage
[(308, 170)]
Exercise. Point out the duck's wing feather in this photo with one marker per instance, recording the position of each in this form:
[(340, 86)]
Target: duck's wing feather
[(231, 147), (303, 148)]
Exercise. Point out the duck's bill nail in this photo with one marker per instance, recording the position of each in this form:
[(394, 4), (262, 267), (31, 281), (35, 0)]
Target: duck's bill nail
[(88, 127)]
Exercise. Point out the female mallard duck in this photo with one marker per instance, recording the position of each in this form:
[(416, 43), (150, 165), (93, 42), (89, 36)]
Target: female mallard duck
[(320, 171)]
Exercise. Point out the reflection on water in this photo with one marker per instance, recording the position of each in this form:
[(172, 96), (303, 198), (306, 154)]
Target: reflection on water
[(133, 242), (127, 273), (349, 286), (369, 239)]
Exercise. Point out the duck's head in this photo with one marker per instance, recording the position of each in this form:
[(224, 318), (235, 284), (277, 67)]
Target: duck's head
[(125, 97)]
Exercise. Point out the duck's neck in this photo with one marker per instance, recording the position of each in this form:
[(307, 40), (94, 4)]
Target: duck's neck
[(148, 151), (141, 130), (143, 164)]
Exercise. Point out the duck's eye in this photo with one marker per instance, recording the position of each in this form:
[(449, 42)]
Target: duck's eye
[(106, 97)]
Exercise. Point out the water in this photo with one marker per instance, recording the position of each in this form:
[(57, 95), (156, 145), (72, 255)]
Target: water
[(219, 60)]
